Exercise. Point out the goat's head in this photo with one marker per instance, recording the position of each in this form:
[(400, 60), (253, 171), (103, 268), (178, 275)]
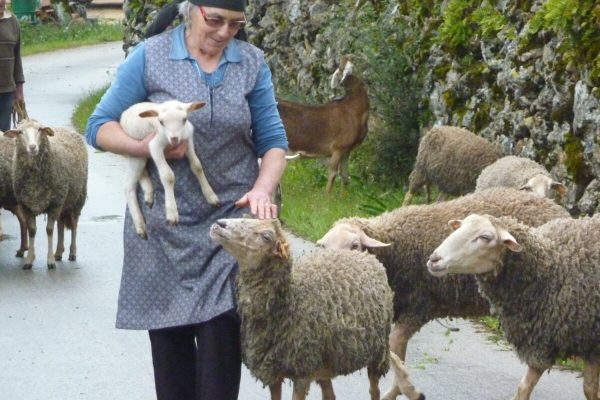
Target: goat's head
[(173, 117), (31, 133), (342, 72)]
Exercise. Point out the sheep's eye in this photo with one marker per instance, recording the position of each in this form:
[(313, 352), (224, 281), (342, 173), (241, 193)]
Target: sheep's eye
[(484, 238), (354, 246), (266, 236)]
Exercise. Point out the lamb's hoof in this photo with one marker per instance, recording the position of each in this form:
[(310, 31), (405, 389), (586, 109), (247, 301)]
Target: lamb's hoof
[(27, 266), (213, 200), (149, 204), (58, 257), (51, 266), (143, 235), (72, 257), (174, 222), (20, 253)]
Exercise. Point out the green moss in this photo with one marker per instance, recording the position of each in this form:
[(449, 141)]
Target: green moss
[(575, 162), (482, 117), (439, 72)]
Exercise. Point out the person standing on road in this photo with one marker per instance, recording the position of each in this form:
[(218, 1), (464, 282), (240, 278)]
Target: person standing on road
[(11, 69), (178, 284)]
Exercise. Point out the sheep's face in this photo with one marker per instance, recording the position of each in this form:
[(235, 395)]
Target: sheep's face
[(350, 237), (173, 119), (30, 133), (475, 247), (544, 186), (251, 241)]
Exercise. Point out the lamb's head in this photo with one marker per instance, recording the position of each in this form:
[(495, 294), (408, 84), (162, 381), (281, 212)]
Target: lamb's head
[(342, 72), (173, 119), (475, 247), (253, 242), (345, 235), (30, 134), (544, 186)]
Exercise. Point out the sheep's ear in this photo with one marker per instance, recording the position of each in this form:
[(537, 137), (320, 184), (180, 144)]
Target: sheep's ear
[(148, 113), (282, 250), (47, 131), (525, 187), (509, 241), (13, 133), (370, 242), (559, 187), (196, 106), (454, 224)]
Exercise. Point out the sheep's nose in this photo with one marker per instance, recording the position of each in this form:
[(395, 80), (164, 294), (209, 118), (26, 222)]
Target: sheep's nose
[(433, 259), (32, 147)]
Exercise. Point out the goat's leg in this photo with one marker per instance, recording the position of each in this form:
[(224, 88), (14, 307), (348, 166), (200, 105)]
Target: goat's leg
[(334, 163), (402, 383), (275, 390), (60, 245), (198, 171), (300, 390), (590, 380), (327, 392), (344, 173), (32, 228), (373, 384), (52, 217), (528, 383), (73, 248), (167, 178), (134, 172), (147, 188)]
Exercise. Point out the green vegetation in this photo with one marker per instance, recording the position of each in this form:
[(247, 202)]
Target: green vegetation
[(85, 108), (38, 38)]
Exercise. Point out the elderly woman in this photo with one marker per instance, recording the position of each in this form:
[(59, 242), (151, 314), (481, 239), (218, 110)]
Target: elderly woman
[(178, 284)]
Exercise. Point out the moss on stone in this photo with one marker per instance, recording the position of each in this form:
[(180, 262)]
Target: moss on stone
[(575, 162)]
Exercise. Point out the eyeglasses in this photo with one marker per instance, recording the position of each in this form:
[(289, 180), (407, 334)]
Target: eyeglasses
[(215, 21)]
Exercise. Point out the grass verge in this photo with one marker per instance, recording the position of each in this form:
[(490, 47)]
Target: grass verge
[(85, 108)]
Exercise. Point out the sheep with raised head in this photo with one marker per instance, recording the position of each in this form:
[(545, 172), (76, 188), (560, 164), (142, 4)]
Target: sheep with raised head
[(169, 120), (519, 173), (450, 158), (328, 313), (7, 194), (49, 176), (543, 282), (332, 129), (404, 238)]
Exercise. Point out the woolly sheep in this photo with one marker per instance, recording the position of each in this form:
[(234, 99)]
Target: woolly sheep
[(451, 158), (7, 195), (543, 282), (49, 176), (519, 173), (169, 120), (303, 321), (404, 238)]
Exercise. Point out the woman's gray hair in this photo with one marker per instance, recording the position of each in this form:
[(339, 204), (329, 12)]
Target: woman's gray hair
[(186, 8)]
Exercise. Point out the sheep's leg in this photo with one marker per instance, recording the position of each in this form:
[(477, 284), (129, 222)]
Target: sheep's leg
[(32, 228), (590, 380), (399, 337), (275, 390), (301, 387), (50, 233), (23, 228), (373, 384), (197, 169), (73, 248), (528, 383), (167, 178), (60, 246), (402, 383), (134, 172), (147, 188), (334, 163), (327, 392)]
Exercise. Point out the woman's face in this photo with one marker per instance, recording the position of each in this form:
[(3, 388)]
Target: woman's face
[(213, 28)]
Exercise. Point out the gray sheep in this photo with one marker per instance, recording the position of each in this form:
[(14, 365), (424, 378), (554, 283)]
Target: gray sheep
[(450, 158), (543, 282), (325, 314), (404, 238), (520, 173), (7, 195), (49, 176)]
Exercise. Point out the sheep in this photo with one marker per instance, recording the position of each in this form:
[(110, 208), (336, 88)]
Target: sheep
[(7, 195), (330, 130), (520, 173), (303, 321), (169, 120), (543, 282), (49, 176), (451, 158), (404, 238)]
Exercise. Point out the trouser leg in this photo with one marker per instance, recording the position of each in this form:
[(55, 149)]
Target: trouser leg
[(6, 100)]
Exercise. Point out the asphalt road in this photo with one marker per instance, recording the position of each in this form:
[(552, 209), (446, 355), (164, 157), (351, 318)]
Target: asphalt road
[(57, 335)]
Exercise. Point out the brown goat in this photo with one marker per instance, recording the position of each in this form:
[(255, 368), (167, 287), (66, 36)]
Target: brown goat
[(332, 129)]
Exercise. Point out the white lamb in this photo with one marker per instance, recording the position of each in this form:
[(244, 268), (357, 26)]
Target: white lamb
[(170, 122)]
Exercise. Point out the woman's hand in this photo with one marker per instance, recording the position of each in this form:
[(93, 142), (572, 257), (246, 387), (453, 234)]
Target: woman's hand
[(259, 202)]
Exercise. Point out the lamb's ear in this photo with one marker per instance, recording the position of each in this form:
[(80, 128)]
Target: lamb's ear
[(454, 224), (509, 241), (370, 242), (47, 131), (282, 250), (559, 187), (13, 133), (196, 106), (148, 113)]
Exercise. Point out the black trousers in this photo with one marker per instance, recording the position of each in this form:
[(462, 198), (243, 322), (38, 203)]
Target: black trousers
[(198, 362), (6, 101)]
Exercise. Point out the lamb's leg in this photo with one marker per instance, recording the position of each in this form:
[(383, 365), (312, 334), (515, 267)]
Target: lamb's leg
[(134, 172), (528, 383), (327, 392), (197, 169), (167, 178), (32, 228), (590, 380), (373, 384), (275, 390), (50, 233), (73, 248), (402, 383), (333, 168), (147, 188), (60, 246), (301, 387)]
